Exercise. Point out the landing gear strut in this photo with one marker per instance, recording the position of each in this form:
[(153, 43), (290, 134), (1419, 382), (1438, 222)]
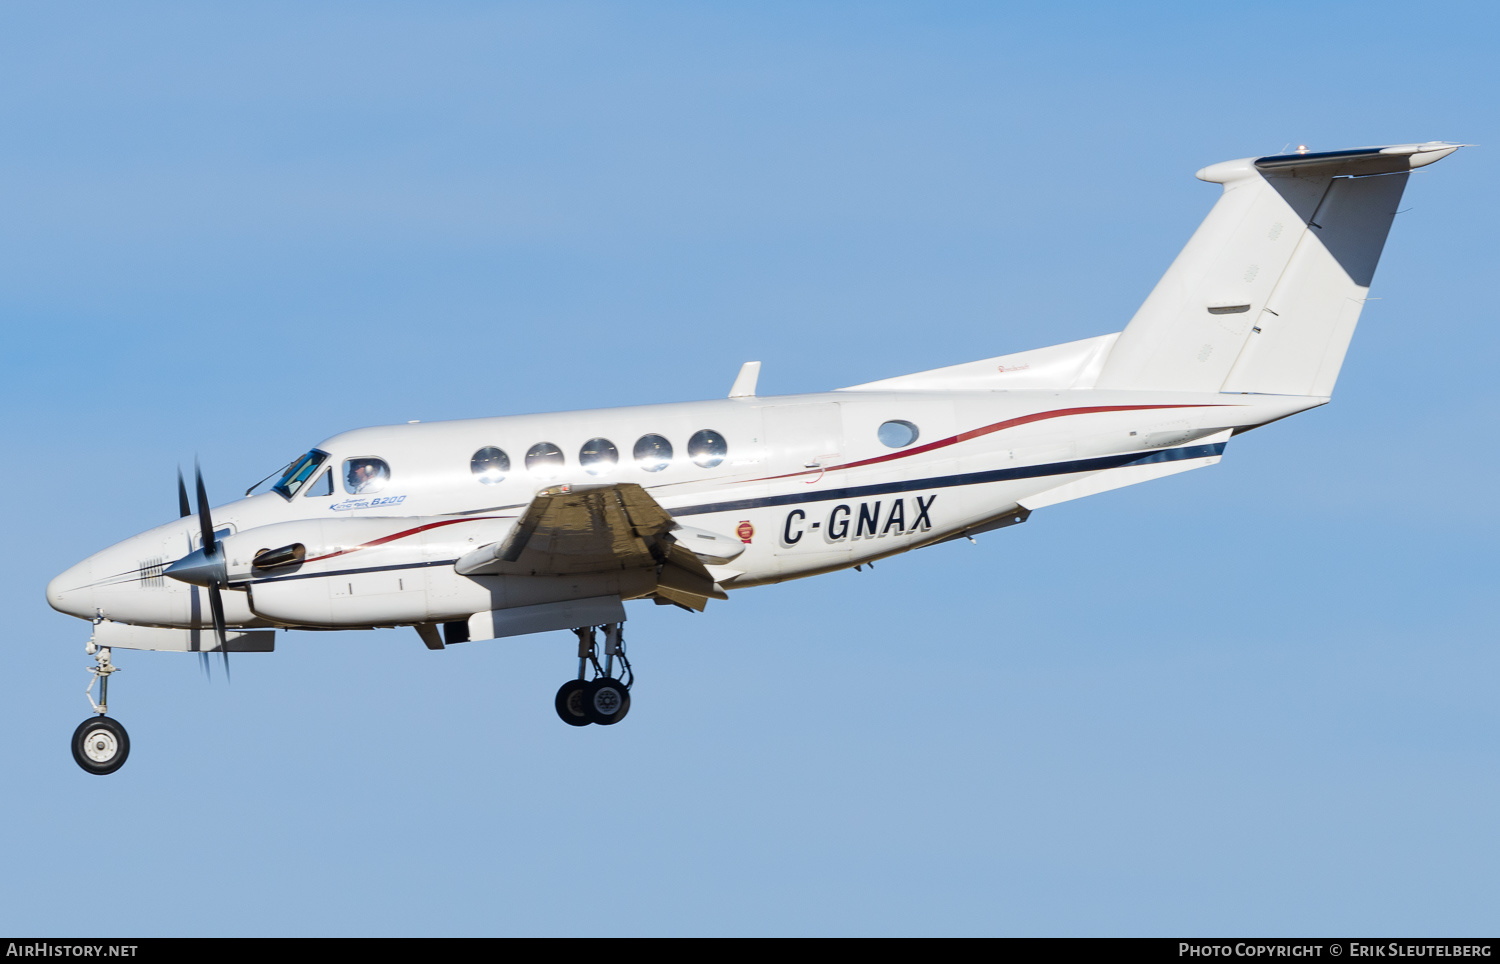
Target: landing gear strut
[(604, 698), (100, 744)]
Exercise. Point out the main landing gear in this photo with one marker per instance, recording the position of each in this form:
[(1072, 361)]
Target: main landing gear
[(100, 744), (604, 699)]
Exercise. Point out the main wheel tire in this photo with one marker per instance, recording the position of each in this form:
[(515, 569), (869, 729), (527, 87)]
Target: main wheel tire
[(100, 745), (606, 701), (569, 703)]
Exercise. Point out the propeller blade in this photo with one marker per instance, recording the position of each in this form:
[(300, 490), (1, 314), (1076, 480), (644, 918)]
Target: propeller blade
[(205, 520), (183, 509), (216, 604)]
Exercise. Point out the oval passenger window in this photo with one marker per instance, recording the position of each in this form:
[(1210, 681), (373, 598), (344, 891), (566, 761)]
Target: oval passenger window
[(707, 448), (897, 434), (365, 476), (544, 460), (490, 464), (652, 453), (598, 456)]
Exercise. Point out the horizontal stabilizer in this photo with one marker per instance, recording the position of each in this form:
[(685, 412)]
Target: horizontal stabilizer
[(1359, 162)]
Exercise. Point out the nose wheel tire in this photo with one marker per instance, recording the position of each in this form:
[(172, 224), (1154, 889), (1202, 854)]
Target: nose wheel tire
[(100, 745), (605, 701), (569, 703)]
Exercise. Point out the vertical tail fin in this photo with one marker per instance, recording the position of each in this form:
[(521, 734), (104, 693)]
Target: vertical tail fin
[(1265, 295)]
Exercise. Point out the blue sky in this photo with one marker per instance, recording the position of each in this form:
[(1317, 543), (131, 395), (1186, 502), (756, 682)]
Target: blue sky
[(1255, 699)]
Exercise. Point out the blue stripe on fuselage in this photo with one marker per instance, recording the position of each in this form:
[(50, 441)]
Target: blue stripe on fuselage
[(966, 478)]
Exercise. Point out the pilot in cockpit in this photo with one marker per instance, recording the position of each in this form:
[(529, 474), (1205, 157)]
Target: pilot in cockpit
[(364, 475)]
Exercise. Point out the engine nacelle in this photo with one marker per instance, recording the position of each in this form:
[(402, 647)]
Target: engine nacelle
[(329, 545)]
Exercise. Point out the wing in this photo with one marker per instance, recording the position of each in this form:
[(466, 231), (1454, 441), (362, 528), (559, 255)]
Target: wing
[(574, 529)]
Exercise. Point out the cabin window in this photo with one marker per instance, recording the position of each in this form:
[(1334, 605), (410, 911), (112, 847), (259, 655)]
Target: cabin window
[(652, 453), (897, 433), (298, 473), (365, 476), (707, 448), (490, 465), (544, 460), (322, 487), (598, 456)]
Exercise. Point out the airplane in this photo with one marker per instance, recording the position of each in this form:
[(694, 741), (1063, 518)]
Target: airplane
[(489, 528)]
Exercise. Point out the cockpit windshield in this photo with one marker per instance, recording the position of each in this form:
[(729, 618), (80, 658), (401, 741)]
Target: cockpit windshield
[(300, 471)]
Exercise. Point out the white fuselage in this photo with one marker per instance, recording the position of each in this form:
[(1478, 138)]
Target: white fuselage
[(418, 524), (806, 485)]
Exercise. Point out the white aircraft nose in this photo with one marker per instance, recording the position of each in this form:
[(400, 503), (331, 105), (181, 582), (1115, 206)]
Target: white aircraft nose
[(72, 592)]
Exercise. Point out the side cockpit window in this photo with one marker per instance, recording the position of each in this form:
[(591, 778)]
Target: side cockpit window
[(298, 473), (324, 485), (365, 476)]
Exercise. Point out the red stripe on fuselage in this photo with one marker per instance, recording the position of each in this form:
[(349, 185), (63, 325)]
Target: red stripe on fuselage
[(402, 535), (987, 430)]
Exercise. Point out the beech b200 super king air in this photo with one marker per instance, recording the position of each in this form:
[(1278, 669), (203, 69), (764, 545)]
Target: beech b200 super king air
[(494, 527)]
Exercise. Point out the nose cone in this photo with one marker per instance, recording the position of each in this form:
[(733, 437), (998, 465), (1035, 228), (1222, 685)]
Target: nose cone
[(126, 582), (72, 592)]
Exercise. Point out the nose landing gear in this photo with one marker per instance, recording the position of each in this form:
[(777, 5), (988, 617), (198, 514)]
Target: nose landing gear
[(604, 699), (100, 744)]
